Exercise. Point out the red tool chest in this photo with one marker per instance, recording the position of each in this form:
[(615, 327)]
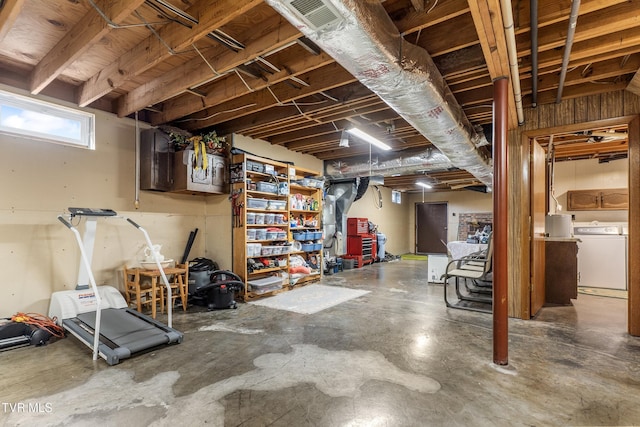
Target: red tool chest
[(364, 245), (357, 226)]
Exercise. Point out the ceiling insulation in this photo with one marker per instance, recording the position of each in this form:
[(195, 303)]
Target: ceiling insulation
[(361, 37)]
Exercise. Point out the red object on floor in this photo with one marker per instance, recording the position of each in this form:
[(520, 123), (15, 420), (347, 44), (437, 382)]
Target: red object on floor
[(357, 226), (364, 245)]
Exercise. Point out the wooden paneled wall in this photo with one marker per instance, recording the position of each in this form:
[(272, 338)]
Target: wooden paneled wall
[(569, 112)]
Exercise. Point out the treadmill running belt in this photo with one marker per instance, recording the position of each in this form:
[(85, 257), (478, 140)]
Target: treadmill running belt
[(126, 330)]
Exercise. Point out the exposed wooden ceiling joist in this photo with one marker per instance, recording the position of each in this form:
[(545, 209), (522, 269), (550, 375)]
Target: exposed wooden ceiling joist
[(249, 69)]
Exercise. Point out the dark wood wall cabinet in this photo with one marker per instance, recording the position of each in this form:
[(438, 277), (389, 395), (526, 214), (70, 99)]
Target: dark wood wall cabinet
[(604, 199), (561, 271)]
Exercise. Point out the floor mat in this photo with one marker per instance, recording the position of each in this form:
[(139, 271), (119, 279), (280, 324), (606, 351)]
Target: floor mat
[(600, 292), (310, 299), (414, 257)]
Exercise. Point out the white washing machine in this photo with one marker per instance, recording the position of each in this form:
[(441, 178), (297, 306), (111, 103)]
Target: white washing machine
[(602, 257)]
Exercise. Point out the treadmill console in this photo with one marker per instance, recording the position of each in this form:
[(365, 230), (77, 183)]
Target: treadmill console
[(91, 212)]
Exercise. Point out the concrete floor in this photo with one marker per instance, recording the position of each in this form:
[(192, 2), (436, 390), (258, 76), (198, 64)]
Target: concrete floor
[(393, 357)]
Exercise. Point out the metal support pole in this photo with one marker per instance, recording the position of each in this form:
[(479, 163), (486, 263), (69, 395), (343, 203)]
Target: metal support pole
[(500, 220)]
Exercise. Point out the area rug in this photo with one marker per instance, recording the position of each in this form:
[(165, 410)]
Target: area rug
[(599, 292), (310, 299)]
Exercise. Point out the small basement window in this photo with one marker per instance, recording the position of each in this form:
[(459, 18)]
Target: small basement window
[(32, 118)]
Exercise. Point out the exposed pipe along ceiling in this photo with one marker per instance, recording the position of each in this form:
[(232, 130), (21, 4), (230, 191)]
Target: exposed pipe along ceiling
[(512, 52), (361, 37), (573, 20), (534, 52)]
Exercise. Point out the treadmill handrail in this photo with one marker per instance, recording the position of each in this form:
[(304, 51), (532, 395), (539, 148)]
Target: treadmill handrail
[(92, 281), (159, 265)]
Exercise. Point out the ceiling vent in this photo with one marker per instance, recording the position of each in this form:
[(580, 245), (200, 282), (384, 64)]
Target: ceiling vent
[(315, 13)]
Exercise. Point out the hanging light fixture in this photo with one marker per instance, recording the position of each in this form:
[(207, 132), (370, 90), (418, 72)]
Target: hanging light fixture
[(370, 139), (424, 185), (344, 140)]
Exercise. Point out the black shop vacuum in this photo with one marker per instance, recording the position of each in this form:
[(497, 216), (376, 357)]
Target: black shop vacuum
[(211, 287)]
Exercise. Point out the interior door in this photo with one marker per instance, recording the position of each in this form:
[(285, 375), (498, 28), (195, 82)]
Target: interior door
[(538, 212), (431, 228)]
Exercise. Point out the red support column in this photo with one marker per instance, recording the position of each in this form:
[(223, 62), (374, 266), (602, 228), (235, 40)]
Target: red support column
[(500, 219)]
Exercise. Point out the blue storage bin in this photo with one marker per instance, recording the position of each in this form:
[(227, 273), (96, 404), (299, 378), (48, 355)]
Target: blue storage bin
[(317, 246), (300, 235), (317, 235), (307, 247)]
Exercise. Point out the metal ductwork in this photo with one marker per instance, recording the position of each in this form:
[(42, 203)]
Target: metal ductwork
[(361, 37), (423, 161), (341, 195)]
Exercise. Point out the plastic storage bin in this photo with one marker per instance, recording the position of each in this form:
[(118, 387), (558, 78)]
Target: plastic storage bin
[(255, 166), (272, 235), (253, 203), (279, 218), (259, 218), (282, 235), (266, 284), (267, 187), (251, 218), (254, 249), (308, 247), (261, 234), (271, 250), (317, 246), (277, 205), (269, 218), (313, 183), (251, 234), (300, 235)]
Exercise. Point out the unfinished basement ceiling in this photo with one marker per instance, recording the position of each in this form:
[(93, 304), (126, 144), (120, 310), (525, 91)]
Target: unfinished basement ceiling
[(239, 66)]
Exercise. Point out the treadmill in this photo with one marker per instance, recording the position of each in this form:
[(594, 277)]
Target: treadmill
[(99, 315)]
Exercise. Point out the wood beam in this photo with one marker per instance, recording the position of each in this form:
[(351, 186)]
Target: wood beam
[(88, 31), (460, 33), (634, 84), (8, 14), (151, 51), (275, 33), (232, 87), (597, 72), (590, 26), (445, 11), (487, 18), (344, 94), (319, 80), (576, 91), (418, 5), (629, 38), (312, 119)]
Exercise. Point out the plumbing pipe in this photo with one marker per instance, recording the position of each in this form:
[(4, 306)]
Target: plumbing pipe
[(136, 201), (512, 51), (534, 53), (573, 20)]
